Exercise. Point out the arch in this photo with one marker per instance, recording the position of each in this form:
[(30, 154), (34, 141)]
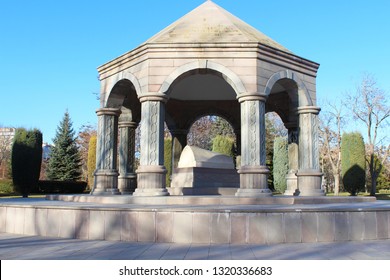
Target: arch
[(229, 76), (124, 76), (303, 93)]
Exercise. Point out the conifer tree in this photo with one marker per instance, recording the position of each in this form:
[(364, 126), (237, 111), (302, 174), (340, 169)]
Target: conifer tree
[(353, 162), (65, 160), (26, 160)]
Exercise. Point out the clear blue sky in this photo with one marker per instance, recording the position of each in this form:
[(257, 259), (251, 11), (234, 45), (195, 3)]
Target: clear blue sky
[(49, 50)]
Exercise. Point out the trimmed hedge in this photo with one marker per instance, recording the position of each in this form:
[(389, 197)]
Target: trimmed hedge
[(67, 187), (353, 162)]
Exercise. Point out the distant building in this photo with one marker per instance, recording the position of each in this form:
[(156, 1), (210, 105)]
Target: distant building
[(46, 150)]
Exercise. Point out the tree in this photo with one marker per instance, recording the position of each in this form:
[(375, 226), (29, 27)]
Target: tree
[(83, 140), (91, 161), (274, 128), (369, 105), (330, 135), (6, 139), (353, 164), (26, 160), (65, 161), (168, 160), (280, 164)]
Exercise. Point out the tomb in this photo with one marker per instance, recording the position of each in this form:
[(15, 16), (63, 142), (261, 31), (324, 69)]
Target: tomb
[(202, 172)]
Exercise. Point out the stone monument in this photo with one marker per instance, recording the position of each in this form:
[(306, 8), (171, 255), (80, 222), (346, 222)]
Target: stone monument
[(201, 172), (207, 62)]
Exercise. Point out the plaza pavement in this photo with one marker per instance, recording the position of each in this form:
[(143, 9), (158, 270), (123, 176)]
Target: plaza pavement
[(21, 247)]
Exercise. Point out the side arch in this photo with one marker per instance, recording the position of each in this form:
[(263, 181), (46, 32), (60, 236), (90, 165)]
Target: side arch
[(109, 84), (229, 76), (303, 93)]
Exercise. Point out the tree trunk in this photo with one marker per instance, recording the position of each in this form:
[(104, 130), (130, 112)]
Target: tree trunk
[(336, 177), (374, 176)]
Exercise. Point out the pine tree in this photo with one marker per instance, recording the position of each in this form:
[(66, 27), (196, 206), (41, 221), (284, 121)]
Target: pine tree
[(65, 161)]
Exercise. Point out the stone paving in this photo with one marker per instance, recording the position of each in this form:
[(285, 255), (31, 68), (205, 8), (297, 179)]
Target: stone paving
[(21, 247)]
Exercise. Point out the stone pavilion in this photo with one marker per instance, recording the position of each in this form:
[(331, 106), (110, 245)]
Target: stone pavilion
[(209, 62)]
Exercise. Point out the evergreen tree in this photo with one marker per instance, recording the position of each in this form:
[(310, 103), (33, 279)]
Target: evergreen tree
[(65, 161), (353, 162), (224, 145), (26, 160), (280, 161)]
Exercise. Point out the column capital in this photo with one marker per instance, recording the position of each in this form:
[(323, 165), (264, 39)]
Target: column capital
[(153, 96), (251, 96), (123, 124), (108, 111), (308, 110)]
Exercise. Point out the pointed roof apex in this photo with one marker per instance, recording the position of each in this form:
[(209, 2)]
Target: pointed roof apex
[(209, 23)]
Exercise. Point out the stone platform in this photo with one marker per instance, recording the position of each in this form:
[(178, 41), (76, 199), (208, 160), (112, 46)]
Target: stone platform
[(199, 220)]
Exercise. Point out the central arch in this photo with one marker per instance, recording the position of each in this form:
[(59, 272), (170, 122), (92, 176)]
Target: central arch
[(200, 66)]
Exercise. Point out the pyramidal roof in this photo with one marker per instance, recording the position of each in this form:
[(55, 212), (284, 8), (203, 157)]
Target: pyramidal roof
[(209, 23)]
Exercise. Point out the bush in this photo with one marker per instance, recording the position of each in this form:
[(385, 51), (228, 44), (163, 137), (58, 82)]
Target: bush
[(6, 186), (353, 162), (280, 161), (26, 160), (63, 187), (223, 145)]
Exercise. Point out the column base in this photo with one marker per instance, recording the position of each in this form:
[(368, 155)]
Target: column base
[(309, 182), (292, 184), (253, 181), (127, 183), (106, 182), (151, 181)]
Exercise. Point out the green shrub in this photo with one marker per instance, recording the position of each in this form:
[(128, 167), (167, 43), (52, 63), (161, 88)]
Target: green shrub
[(223, 145), (62, 187), (353, 162), (26, 160), (6, 186), (280, 164)]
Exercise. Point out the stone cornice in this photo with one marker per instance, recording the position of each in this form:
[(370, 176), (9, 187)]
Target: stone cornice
[(210, 51)]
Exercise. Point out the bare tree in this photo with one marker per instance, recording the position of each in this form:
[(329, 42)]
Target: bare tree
[(331, 122), (6, 138), (369, 105)]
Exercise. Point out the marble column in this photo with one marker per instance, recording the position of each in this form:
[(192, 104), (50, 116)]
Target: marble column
[(179, 141), (253, 171), (127, 180), (291, 177), (106, 174), (151, 173), (309, 173)]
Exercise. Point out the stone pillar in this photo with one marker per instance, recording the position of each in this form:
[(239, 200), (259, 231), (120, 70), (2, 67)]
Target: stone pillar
[(179, 141), (309, 173), (127, 180), (106, 174), (291, 177), (151, 173), (253, 171)]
